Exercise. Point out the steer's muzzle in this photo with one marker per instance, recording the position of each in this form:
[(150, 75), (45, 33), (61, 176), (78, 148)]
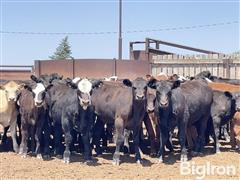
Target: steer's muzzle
[(150, 108), (84, 102), (39, 104), (139, 96), (12, 99), (163, 103)]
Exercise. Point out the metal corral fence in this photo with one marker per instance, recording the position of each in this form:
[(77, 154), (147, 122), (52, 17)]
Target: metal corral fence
[(226, 67), (100, 68), (93, 68), (15, 72)]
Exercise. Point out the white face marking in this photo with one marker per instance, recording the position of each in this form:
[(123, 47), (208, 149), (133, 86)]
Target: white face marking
[(182, 78), (37, 91), (112, 78), (85, 86), (208, 80), (76, 79)]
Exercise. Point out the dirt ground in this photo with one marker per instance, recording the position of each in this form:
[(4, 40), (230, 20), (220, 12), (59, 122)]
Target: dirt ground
[(15, 167)]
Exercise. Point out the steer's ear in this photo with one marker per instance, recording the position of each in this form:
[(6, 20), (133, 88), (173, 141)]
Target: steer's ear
[(228, 94), (2, 87), (34, 78), (21, 86), (26, 86), (48, 87), (96, 83), (152, 83), (127, 82), (176, 84), (149, 77), (70, 83)]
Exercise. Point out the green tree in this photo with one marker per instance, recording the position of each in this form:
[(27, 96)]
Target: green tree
[(63, 50)]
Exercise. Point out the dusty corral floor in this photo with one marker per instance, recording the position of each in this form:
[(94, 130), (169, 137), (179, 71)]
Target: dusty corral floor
[(15, 167)]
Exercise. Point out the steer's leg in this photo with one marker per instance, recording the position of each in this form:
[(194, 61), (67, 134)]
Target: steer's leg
[(152, 135), (182, 139), (46, 137), (163, 136), (119, 139), (136, 144), (216, 125), (4, 137), (38, 139), (126, 147), (97, 131), (203, 127), (57, 139), (23, 145), (68, 138), (38, 135), (87, 149), (13, 130), (32, 130), (232, 135)]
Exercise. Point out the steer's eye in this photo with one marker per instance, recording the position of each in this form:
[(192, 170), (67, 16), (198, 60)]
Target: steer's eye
[(79, 94), (43, 95), (169, 93)]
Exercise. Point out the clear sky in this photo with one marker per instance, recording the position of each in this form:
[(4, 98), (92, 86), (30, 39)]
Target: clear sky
[(102, 16)]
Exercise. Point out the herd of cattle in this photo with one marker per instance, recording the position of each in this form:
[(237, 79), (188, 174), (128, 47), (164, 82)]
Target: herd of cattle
[(59, 114)]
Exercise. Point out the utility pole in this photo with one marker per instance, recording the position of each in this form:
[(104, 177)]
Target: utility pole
[(120, 31)]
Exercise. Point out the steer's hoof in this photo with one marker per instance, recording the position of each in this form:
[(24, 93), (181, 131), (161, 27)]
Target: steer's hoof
[(16, 150), (39, 156), (116, 162), (23, 155), (88, 162), (46, 157), (139, 162), (218, 152), (160, 160), (194, 153), (153, 154), (59, 156), (66, 160)]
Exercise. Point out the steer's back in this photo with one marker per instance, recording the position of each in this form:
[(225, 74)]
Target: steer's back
[(112, 100), (198, 98)]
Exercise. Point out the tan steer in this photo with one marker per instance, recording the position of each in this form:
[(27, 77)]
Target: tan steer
[(8, 109)]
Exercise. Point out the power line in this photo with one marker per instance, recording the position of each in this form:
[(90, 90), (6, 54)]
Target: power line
[(114, 1), (126, 32)]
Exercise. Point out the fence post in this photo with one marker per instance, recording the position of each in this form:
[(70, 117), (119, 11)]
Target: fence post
[(37, 70), (227, 67)]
